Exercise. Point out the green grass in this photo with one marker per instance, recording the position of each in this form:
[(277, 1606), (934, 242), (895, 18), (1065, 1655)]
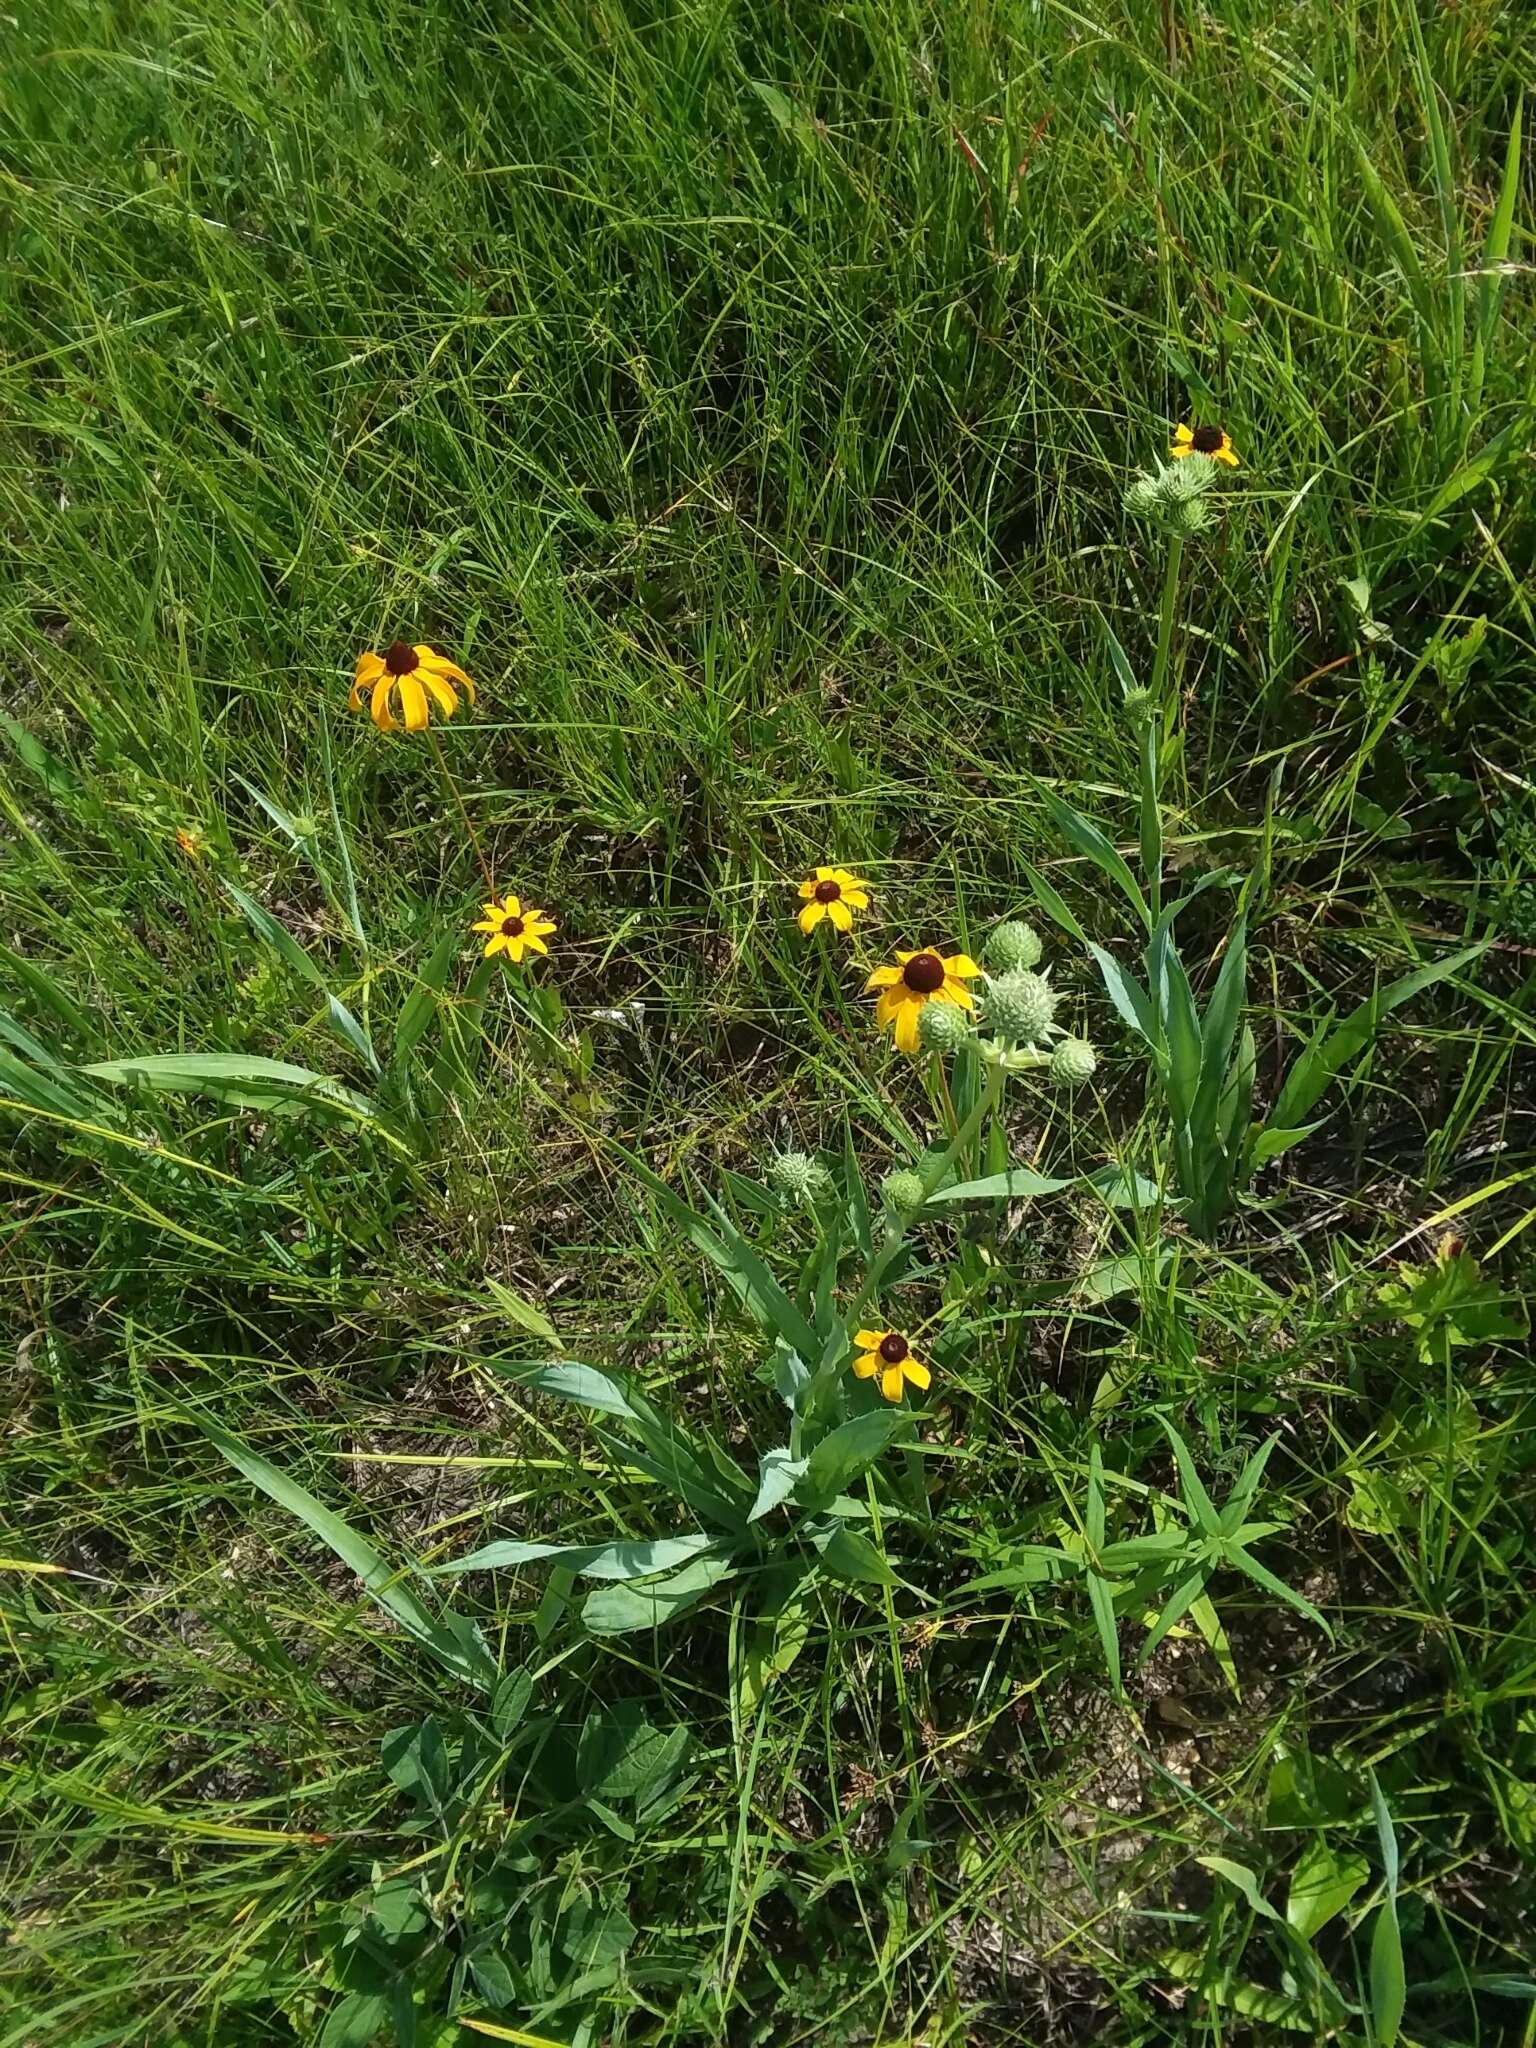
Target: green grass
[(746, 395)]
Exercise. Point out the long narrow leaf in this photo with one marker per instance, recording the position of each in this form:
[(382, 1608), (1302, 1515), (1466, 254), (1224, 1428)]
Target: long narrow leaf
[(277, 935), (455, 1644), (1085, 837)]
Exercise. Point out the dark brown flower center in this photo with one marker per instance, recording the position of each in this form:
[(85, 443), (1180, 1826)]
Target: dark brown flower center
[(894, 1349), (511, 927), (828, 892), (923, 973), (1206, 440), (400, 659)]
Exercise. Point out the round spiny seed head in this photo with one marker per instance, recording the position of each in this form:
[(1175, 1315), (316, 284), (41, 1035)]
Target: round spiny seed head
[(1190, 516), (1139, 707), (1191, 478), (902, 1191), (943, 1027), (1073, 1062), (796, 1177), (1012, 946), (1142, 497), (1020, 1007)]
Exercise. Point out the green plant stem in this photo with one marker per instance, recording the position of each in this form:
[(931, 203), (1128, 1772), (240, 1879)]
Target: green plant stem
[(932, 1178), (1167, 611)]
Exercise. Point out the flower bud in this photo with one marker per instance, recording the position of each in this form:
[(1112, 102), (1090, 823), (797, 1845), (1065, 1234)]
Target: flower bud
[(1073, 1062), (902, 1191), (1020, 1007), (1012, 946), (796, 1177), (943, 1027)]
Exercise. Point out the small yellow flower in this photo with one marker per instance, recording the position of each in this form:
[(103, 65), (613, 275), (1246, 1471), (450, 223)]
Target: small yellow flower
[(514, 929), (414, 674), (191, 840), (1210, 441), (833, 893), (887, 1353), (919, 978)]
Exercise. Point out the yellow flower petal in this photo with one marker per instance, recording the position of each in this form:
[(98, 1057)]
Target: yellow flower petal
[(963, 965), (378, 704), (839, 913), (413, 703), (892, 1003), (1228, 454), (856, 899), (539, 925), (867, 1366), (826, 874), (512, 906), (534, 943), (883, 977), (954, 992), (369, 668), (808, 890), (890, 1383), (906, 1027), (486, 924), (515, 950), (917, 1373), (494, 946), (442, 696), (869, 1340), (811, 916)]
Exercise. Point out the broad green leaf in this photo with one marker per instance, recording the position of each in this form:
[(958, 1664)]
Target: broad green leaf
[(420, 1006), (848, 1555), (521, 1312), (778, 1474), (286, 946), (245, 1079), (619, 1610), (570, 1381), (355, 2023), (1085, 838), (457, 1648), (1389, 1989), (1323, 1059), (1322, 1884), (1027, 1564), (1129, 997), (848, 1450), (634, 1559), (1053, 905), (1019, 1183), (732, 1256), (1245, 1880)]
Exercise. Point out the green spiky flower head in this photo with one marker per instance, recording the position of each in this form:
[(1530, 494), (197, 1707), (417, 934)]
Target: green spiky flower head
[(1012, 946), (902, 1191), (1020, 1007), (1073, 1062), (943, 1028), (796, 1177)]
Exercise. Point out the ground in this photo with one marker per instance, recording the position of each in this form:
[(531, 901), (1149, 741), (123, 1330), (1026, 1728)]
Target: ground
[(746, 398)]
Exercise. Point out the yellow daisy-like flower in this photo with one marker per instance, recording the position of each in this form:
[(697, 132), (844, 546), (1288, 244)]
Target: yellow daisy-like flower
[(513, 928), (832, 893), (414, 675), (919, 978), (886, 1355), (1210, 441)]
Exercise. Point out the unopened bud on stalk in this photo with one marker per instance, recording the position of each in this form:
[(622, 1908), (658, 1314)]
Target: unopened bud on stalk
[(1073, 1062), (1012, 946), (796, 1177), (902, 1191), (943, 1028)]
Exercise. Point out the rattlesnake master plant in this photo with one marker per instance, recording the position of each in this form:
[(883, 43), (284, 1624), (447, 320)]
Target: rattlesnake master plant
[(1073, 1062), (795, 1177), (1020, 1007), (1013, 946), (943, 1027), (1174, 497)]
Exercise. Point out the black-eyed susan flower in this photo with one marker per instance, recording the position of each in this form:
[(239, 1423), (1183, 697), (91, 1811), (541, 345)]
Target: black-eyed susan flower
[(514, 928), (887, 1356), (1211, 441), (916, 979), (417, 676), (832, 893)]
